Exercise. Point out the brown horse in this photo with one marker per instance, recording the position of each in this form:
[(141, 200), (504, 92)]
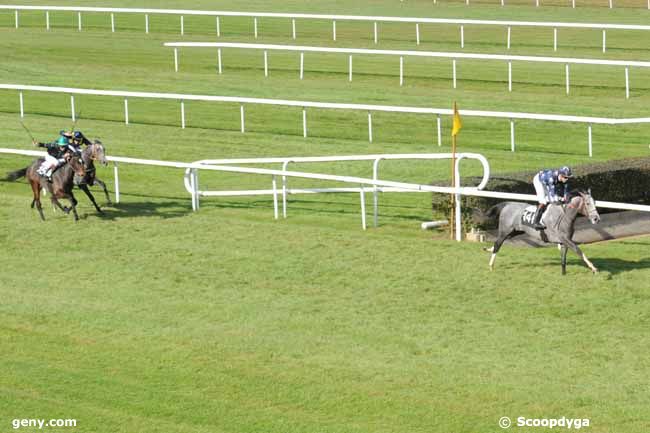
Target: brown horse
[(61, 186)]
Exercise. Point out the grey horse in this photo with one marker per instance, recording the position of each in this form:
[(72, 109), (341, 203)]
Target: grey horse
[(559, 220)]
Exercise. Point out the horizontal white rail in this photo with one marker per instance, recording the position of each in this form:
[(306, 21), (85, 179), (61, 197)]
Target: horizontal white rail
[(408, 53), (411, 53), (326, 105), (458, 191), (414, 20), (334, 18)]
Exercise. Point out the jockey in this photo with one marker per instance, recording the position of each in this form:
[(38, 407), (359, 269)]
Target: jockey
[(55, 156), (551, 187)]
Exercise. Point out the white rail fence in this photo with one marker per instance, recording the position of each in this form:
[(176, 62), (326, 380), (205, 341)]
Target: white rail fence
[(328, 17), (386, 185), (402, 53), (538, 3), (438, 112), (191, 177)]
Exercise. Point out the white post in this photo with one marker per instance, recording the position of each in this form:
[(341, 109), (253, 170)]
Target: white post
[(293, 28), (502, 2), (604, 40), (193, 190), (566, 70), (462, 36), (255, 26), (182, 115), (417, 33), (176, 59), (512, 135), (22, 106), (375, 33), (116, 178), (266, 63), (47, 20), (16, 19), (439, 128), (284, 190), (509, 76), (112, 23), (453, 63), (509, 31), (333, 30), (182, 25), (197, 196), (573, 4), (458, 210), (401, 70), (302, 65), (589, 133), (555, 38), (79, 21), (627, 82), (126, 111), (362, 196), (370, 127), (72, 108), (304, 123), (275, 198), (611, 5), (375, 191), (218, 28), (350, 68), (219, 59), (537, 3), (146, 23), (241, 115)]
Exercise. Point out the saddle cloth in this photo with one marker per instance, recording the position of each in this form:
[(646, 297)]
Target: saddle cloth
[(529, 214)]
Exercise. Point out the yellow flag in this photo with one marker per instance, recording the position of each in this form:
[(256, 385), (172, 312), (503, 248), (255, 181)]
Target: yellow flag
[(457, 124)]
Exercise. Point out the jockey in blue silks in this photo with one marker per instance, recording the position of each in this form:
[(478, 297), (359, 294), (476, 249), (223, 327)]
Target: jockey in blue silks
[(551, 187)]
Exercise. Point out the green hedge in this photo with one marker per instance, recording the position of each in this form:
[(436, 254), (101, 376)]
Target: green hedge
[(626, 180)]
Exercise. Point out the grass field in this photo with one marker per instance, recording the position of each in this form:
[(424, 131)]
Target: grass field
[(151, 318)]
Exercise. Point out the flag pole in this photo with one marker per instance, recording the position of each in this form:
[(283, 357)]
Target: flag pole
[(452, 197)]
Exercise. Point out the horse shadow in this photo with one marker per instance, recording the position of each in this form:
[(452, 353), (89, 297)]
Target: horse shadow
[(142, 209), (615, 266)]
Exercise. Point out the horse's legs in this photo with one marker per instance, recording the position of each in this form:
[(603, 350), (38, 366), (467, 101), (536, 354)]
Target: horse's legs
[(563, 251), (580, 254), (74, 202), (103, 185), (36, 190), (497, 246), (85, 189)]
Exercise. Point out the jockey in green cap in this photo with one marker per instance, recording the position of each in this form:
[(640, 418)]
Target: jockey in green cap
[(55, 156)]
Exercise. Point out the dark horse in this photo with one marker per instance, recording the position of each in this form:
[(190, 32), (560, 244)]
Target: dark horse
[(61, 186), (93, 152), (559, 220)]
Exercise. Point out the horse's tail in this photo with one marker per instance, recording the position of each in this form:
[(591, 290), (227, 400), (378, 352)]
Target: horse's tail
[(14, 175), (490, 215)]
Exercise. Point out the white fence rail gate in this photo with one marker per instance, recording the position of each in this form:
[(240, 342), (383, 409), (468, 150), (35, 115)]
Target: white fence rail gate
[(329, 17), (182, 98), (403, 53), (456, 190), (191, 179)]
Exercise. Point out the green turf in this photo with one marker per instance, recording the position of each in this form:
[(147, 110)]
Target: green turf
[(152, 318)]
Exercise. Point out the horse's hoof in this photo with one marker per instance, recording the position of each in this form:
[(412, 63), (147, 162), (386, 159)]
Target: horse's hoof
[(595, 270)]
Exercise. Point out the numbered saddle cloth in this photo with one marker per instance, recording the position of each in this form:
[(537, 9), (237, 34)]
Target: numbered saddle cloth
[(528, 216)]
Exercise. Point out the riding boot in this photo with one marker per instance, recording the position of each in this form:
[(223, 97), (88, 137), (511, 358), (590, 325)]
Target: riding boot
[(537, 225)]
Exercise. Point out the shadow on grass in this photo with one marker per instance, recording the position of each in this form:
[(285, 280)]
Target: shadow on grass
[(617, 266)]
